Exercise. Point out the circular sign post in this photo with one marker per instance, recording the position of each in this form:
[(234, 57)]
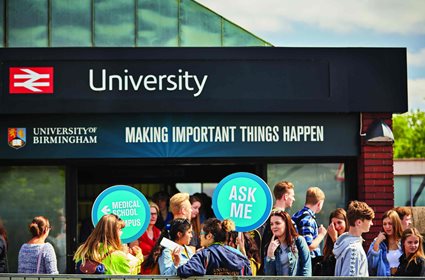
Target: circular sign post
[(127, 203), (244, 198)]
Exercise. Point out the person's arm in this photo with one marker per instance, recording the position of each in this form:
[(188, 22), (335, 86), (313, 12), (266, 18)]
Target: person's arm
[(304, 261), (307, 231), (316, 242), (196, 266), (270, 259), (373, 257), (269, 266), (118, 263), (422, 269), (50, 262), (333, 234), (166, 263), (20, 261), (381, 237), (2, 245)]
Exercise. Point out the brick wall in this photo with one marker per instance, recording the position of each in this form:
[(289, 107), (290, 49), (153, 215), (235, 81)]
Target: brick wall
[(375, 175)]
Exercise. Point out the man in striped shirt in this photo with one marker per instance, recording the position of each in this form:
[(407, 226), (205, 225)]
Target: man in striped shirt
[(305, 220)]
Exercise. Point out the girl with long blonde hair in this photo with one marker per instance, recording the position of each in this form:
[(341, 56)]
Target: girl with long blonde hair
[(104, 246), (412, 262)]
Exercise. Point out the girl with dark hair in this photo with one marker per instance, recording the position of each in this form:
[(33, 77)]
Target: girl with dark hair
[(181, 233), (165, 261), (104, 246), (3, 249), (287, 253), (412, 262), (338, 224), (216, 258), (244, 242), (195, 220), (36, 256), (385, 250)]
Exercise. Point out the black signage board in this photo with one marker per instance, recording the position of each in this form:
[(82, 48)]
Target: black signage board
[(193, 80)]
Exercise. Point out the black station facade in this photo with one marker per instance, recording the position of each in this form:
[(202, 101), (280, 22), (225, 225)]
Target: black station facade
[(168, 115)]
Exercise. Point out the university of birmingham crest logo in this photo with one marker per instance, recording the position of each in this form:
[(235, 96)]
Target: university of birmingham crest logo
[(16, 137)]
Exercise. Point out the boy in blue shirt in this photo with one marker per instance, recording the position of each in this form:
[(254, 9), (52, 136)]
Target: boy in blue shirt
[(305, 220)]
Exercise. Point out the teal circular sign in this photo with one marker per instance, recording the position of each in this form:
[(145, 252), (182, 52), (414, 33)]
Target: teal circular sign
[(127, 203), (244, 198)]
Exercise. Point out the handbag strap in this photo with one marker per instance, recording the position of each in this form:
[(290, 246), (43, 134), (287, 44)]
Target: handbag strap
[(39, 258)]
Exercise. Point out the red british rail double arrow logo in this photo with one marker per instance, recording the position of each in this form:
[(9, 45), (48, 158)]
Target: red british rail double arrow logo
[(31, 80)]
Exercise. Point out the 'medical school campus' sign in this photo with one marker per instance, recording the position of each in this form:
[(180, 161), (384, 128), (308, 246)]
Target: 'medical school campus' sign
[(128, 204)]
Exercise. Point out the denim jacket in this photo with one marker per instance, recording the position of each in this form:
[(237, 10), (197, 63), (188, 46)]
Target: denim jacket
[(166, 263), (377, 261), (299, 261)]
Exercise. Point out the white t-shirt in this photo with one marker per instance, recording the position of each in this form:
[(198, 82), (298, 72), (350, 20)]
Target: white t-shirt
[(393, 257)]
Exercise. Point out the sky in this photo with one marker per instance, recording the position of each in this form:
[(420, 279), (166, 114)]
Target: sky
[(338, 23)]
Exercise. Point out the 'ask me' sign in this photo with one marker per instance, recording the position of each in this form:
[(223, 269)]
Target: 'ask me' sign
[(244, 198)]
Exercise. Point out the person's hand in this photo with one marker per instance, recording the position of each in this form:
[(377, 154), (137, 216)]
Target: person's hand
[(274, 243), (125, 248), (240, 242), (332, 232), (381, 237), (136, 250), (322, 230), (176, 255)]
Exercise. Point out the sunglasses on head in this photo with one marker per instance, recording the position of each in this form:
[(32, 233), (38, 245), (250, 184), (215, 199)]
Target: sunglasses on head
[(278, 210), (181, 221)]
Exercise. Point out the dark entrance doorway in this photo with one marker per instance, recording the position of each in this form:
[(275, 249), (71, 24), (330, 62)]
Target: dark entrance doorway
[(86, 182)]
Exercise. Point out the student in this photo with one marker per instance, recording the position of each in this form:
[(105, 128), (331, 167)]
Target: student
[(181, 233), (217, 258), (180, 206), (284, 195), (405, 214), (104, 246), (350, 256), (147, 241), (37, 256), (164, 261), (196, 204), (245, 243), (412, 262), (162, 199), (384, 252), (3, 249), (305, 220), (287, 252), (338, 224)]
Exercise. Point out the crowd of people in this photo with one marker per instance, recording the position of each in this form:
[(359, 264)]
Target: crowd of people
[(204, 245)]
